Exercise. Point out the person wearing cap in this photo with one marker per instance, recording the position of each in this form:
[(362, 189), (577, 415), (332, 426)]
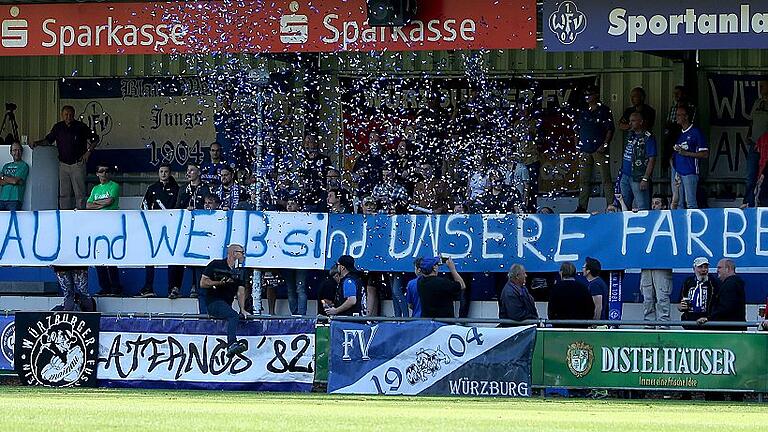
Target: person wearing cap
[(597, 287), (595, 133), (351, 296), (412, 290), (437, 293), (696, 294)]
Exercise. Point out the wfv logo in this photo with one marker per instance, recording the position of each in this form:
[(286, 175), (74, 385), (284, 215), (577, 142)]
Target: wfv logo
[(14, 31)]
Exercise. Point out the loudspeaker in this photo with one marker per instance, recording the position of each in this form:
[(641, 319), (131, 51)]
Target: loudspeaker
[(391, 13)]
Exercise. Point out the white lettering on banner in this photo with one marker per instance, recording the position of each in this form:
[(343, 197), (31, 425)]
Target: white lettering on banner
[(348, 32), (693, 236), (627, 230), (664, 215), (156, 36), (727, 234), (525, 241), (696, 361), (394, 238), (451, 232), (571, 236), (760, 230), (491, 235), (434, 236), (634, 26), (202, 358), (365, 345), (469, 387)]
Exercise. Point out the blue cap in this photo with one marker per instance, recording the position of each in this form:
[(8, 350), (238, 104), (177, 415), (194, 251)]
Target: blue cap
[(429, 263)]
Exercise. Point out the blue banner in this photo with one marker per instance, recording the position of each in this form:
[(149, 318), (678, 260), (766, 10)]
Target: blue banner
[(615, 279), (542, 242), (7, 341), (172, 353), (430, 358), (627, 25), (477, 243)]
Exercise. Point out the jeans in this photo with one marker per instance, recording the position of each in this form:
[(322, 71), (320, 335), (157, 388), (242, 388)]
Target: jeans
[(587, 163), (633, 197), (10, 205), (74, 284), (688, 191), (109, 280), (71, 186), (221, 310), (656, 286), (753, 166), (399, 304), (296, 284)]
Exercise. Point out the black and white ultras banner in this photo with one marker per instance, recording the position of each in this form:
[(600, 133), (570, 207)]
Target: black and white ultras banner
[(57, 349)]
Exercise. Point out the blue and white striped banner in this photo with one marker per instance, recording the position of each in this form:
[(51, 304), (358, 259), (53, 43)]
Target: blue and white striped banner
[(430, 358), (176, 353)]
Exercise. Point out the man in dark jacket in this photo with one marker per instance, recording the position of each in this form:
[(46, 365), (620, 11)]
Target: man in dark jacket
[(728, 301), (570, 300), (516, 302), (160, 195), (697, 292)]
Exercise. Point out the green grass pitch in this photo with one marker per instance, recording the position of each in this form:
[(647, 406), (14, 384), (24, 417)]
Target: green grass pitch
[(36, 409)]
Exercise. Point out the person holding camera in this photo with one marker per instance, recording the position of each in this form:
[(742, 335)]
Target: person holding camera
[(223, 280), (437, 293), (696, 295)]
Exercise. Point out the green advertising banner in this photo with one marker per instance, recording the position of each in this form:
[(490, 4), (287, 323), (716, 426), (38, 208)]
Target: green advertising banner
[(664, 360), (322, 348)]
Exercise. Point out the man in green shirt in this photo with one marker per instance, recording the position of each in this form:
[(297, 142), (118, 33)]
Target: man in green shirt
[(13, 177), (106, 196)]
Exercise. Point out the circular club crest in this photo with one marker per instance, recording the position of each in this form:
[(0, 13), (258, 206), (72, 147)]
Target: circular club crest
[(7, 339), (579, 359), (57, 357)]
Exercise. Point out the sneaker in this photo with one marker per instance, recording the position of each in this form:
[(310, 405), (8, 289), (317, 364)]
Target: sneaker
[(193, 293), (146, 292), (236, 348), (174, 294)]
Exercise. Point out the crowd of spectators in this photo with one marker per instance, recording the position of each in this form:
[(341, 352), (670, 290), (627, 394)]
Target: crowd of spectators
[(417, 171)]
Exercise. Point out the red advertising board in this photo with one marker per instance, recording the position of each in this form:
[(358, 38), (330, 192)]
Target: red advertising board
[(259, 26)]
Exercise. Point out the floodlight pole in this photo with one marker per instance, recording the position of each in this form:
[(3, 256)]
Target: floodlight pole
[(259, 78)]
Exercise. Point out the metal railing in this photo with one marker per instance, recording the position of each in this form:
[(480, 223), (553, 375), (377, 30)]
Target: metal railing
[(541, 323)]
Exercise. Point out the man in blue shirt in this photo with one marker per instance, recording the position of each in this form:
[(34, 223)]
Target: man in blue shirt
[(597, 287), (351, 298), (596, 130), (637, 165), (412, 290), (690, 147)]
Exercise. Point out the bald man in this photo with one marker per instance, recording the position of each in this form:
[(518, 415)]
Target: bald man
[(222, 285), (729, 300)]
